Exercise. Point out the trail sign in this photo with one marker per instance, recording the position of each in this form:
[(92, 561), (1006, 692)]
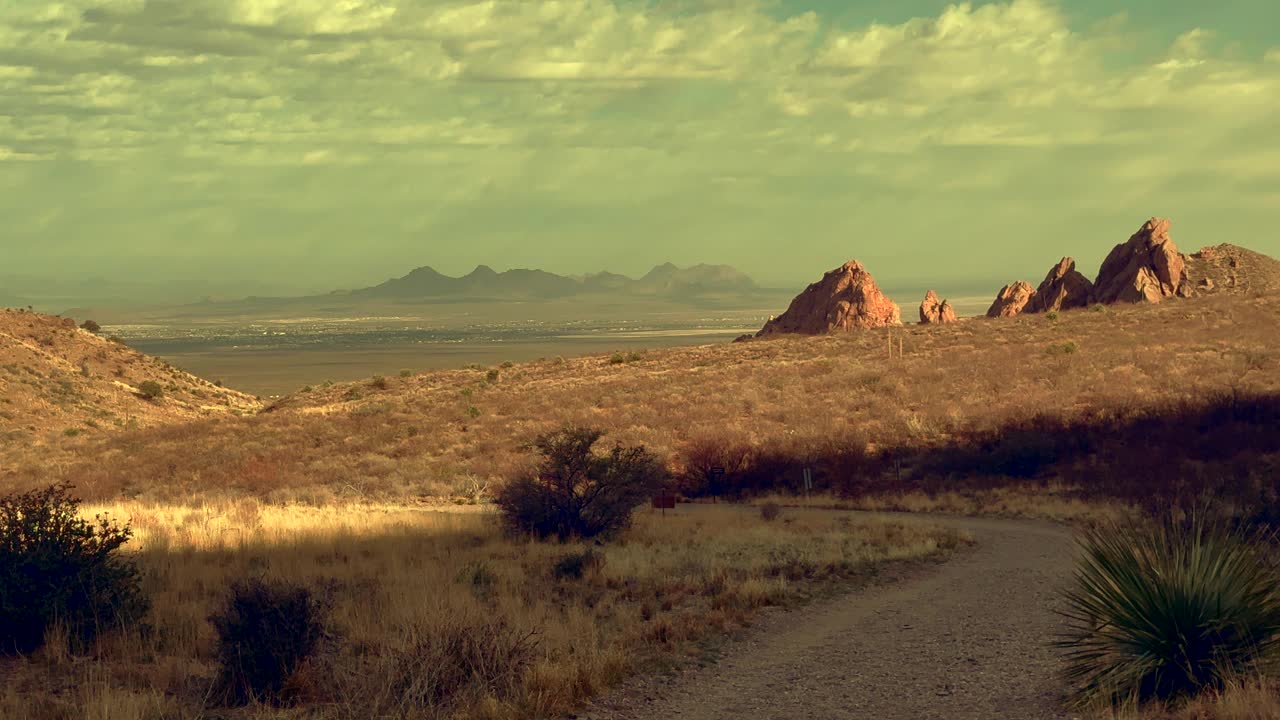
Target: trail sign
[(664, 501), (715, 481)]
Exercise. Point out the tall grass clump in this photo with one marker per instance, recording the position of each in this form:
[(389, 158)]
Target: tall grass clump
[(1168, 609), (58, 569), (577, 492)]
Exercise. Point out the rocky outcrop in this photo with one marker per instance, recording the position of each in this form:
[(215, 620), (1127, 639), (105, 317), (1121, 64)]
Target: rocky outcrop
[(846, 298), (1011, 300), (1063, 288), (935, 312), (1146, 268)]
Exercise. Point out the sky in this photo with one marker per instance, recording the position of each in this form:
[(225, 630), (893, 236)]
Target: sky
[(283, 146)]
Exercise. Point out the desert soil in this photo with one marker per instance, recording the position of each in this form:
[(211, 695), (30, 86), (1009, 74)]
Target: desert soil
[(968, 638)]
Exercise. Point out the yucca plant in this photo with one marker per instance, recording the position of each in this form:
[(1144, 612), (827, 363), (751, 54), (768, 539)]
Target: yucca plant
[(1166, 609)]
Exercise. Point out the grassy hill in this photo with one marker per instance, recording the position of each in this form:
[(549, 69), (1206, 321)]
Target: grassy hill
[(445, 433), (57, 380)]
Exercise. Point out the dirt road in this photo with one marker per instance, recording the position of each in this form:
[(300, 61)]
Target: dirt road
[(967, 639)]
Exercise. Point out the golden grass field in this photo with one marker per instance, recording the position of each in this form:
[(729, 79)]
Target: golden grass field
[(405, 579)]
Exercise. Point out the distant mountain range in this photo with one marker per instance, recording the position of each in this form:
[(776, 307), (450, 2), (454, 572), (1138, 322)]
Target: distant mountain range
[(484, 283)]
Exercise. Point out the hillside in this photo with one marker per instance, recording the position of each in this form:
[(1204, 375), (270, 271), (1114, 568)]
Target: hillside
[(439, 433), (57, 379), (1231, 269)]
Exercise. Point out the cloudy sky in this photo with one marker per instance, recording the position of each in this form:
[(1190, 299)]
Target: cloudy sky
[(257, 145)]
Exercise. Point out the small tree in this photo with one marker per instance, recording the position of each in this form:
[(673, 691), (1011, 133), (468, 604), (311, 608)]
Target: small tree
[(91, 326), (57, 567), (577, 492)]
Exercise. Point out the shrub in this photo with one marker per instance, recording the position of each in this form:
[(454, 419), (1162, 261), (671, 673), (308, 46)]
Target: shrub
[(406, 373), (492, 375), (1051, 316), (574, 565), (1167, 609), (1066, 348), (706, 452), (265, 633), (57, 567), (151, 390), (617, 358), (577, 492), (770, 511), (91, 326), (378, 382)]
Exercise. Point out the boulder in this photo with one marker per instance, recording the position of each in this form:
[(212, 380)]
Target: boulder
[(1146, 268), (935, 312), (846, 298), (1011, 300), (1063, 288)]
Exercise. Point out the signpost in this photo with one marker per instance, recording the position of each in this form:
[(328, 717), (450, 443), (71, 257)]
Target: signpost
[(715, 482), (808, 484)]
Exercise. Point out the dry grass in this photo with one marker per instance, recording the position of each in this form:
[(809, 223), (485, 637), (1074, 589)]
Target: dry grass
[(1255, 699), (413, 587), (440, 433)]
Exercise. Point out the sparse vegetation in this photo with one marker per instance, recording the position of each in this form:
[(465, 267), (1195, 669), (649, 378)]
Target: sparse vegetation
[(91, 326), (1169, 609)]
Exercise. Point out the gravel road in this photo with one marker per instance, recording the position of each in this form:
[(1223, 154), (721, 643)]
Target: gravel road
[(965, 639)]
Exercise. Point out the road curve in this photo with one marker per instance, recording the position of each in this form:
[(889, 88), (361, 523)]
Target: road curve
[(967, 639)]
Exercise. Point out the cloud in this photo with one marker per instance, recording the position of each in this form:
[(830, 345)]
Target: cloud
[(441, 114)]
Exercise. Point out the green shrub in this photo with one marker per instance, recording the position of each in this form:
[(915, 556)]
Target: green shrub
[(378, 382), (151, 390), (575, 565), (91, 326), (1168, 609), (617, 358), (1066, 348), (1051, 316), (577, 492), (56, 567), (406, 373), (265, 632), (492, 375)]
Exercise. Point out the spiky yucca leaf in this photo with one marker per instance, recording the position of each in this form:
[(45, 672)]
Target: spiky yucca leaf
[(1166, 609)]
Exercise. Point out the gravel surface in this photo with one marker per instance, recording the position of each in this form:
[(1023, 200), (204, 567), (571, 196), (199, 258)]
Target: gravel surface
[(964, 639)]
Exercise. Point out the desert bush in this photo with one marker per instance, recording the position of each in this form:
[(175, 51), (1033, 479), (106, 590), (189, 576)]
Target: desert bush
[(378, 382), (574, 565), (151, 390), (617, 359), (265, 633), (57, 568), (577, 492), (770, 511), (91, 326), (1166, 609), (492, 375)]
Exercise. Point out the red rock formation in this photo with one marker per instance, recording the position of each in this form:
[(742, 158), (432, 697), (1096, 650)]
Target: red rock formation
[(935, 312), (1011, 300), (1146, 268), (846, 298), (1063, 288)]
